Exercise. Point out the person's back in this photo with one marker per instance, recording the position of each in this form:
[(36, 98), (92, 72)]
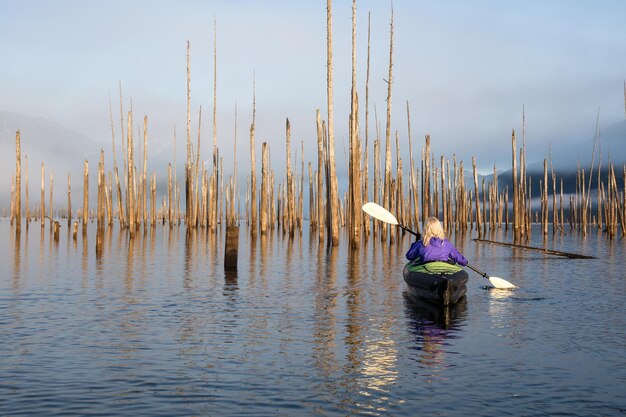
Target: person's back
[(434, 246)]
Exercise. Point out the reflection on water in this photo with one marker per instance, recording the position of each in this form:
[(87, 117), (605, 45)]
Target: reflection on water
[(156, 326), (433, 326)]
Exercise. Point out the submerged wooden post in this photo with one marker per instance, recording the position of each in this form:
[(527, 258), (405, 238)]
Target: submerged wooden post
[(55, 229), (232, 246)]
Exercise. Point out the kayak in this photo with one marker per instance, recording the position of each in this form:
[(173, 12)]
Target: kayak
[(437, 282)]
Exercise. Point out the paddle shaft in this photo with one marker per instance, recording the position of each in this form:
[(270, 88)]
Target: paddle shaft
[(406, 229), (473, 268)]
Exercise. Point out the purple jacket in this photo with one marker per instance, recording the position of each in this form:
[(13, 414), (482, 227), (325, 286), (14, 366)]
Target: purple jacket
[(437, 250)]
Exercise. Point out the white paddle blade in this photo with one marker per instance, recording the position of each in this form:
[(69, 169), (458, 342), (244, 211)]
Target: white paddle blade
[(379, 213), (501, 283)]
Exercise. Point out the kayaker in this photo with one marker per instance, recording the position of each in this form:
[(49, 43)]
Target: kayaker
[(434, 246)]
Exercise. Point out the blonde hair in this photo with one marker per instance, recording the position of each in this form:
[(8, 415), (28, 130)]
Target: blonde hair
[(432, 228)]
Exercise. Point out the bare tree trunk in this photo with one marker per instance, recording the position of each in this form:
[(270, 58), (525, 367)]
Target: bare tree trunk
[(170, 197), (312, 201), (50, 206), (123, 142), (120, 203), (544, 199), (69, 201), (26, 190), (443, 194), (290, 203), (413, 180), (85, 194), (477, 200), (355, 149), (334, 198), (130, 193), (12, 199), (100, 205), (366, 162), (188, 191), (516, 200), (377, 225), (554, 211), (18, 183), (395, 208), (264, 188), (153, 199), (253, 198), (144, 177), (215, 151), (484, 209), (108, 194), (234, 215), (387, 187), (43, 196), (320, 175), (426, 192), (299, 216)]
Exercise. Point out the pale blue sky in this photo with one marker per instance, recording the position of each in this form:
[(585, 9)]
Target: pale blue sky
[(466, 68)]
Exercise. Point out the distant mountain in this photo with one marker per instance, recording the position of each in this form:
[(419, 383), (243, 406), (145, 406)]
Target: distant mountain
[(47, 136), (611, 146), (62, 150), (613, 141)]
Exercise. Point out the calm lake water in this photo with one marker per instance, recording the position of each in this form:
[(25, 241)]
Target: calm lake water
[(156, 327)]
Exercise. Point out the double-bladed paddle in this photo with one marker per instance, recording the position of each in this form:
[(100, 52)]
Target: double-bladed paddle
[(384, 215)]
